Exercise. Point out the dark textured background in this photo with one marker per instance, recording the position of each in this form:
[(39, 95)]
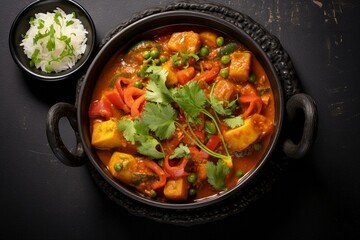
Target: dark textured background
[(315, 198)]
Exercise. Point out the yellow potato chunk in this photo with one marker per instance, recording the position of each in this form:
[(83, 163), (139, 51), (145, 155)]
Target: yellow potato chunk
[(106, 135), (176, 189), (171, 78), (184, 42), (240, 138), (120, 165), (239, 68)]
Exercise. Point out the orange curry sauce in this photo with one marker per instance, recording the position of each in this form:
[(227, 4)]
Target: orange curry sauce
[(224, 70)]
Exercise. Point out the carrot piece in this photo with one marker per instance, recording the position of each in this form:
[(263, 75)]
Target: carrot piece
[(185, 75), (208, 75)]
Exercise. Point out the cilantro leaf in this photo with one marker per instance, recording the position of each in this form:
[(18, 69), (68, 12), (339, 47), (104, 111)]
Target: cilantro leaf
[(181, 151), (234, 121), (218, 106), (148, 146), (160, 119), (191, 98), (157, 72), (158, 92), (216, 174), (127, 126)]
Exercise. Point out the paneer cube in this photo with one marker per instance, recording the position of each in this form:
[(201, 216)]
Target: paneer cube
[(239, 68), (106, 135), (176, 189), (223, 90), (241, 137), (184, 42), (208, 38)]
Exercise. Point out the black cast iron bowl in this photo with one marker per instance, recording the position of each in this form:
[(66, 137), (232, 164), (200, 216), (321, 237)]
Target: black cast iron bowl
[(78, 114), (21, 25)]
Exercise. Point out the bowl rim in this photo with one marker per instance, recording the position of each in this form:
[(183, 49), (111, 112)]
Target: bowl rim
[(63, 74), (184, 14)]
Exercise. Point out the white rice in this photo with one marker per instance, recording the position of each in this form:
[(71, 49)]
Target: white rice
[(47, 55)]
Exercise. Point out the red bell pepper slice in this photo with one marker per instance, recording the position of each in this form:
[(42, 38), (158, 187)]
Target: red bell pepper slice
[(131, 93), (178, 170), (158, 170), (118, 86), (211, 144), (100, 109), (255, 104), (138, 106), (116, 100)]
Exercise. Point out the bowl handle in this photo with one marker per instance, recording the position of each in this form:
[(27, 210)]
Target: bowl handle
[(306, 104), (55, 113)]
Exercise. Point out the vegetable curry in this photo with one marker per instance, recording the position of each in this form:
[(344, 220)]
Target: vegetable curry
[(182, 115)]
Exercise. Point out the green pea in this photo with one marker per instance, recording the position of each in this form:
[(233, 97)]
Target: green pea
[(118, 166), (192, 177), (252, 78), (258, 146), (146, 54), (239, 173), (163, 59), (142, 72), (204, 51), (138, 84), (225, 59), (154, 53), (219, 41), (152, 193), (192, 192), (224, 73)]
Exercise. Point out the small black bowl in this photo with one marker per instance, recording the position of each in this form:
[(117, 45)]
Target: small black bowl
[(21, 25)]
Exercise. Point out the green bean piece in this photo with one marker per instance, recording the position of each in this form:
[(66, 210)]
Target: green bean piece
[(227, 49)]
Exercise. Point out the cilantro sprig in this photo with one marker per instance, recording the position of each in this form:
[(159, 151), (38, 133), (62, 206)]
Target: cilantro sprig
[(216, 174)]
